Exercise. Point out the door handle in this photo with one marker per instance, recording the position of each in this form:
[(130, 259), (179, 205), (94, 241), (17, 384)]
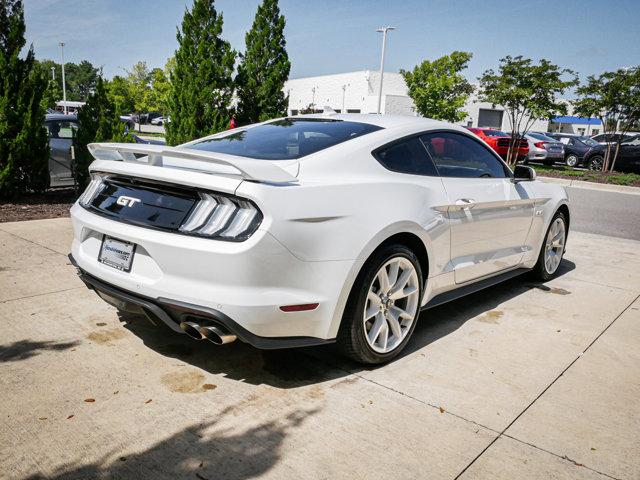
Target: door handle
[(466, 202)]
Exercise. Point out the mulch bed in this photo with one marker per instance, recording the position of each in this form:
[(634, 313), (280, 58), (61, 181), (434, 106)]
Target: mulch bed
[(52, 204), (615, 178)]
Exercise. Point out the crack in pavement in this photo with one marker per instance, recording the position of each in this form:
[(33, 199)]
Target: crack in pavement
[(40, 294), (564, 457), (31, 241)]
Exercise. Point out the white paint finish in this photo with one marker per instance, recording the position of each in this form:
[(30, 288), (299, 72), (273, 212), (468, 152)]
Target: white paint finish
[(489, 233), (318, 232)]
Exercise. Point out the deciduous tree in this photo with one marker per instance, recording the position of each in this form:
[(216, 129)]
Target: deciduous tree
[(24, 147), (527, 92), (201, 81), (614, 98), (264, 67), (438, 88)]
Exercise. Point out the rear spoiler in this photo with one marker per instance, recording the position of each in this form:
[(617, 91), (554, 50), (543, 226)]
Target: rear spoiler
[(248, 168)]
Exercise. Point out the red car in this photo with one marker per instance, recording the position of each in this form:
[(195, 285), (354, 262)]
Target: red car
[(499, 141)]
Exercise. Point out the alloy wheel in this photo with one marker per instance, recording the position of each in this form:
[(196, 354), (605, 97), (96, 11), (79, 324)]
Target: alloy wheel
[(392, 305), (571, 160), (596, 163), (554, 247)]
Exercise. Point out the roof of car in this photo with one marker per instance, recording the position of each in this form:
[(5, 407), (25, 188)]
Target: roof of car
[(59, 116), (384, 121)]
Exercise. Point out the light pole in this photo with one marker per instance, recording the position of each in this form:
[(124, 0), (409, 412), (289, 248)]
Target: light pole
[(344, 91), (64, 87), (384, 31)]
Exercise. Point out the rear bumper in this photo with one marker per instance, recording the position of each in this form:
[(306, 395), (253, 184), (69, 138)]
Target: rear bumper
[(245, 281), (172, 312)]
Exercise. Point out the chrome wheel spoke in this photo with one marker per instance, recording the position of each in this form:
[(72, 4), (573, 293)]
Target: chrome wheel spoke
[(374, 333), (394, 324), (405, 292), (383, 278)]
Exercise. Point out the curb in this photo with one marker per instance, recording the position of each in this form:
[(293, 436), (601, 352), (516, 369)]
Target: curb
[(603, 187)]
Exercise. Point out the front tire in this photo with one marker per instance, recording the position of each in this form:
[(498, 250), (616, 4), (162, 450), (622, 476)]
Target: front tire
[(595, 163), (552, 249), (383, 307)]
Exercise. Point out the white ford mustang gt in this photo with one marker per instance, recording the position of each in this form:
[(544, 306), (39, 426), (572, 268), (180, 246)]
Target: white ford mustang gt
[(312, 229)]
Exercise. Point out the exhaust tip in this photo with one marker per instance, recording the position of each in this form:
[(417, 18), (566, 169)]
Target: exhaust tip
[(217, 335), (192, 329)]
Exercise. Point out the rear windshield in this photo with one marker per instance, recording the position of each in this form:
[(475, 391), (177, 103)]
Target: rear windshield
[(494, 133), (286, 139), (539, 136)]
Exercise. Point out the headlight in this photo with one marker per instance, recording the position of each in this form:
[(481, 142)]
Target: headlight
[(222, 217), (93, 189)]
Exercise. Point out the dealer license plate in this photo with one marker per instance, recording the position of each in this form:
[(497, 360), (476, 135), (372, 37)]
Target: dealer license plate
[(117, 253)]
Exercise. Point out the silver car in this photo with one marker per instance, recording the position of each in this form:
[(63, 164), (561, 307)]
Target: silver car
[(544, 149)]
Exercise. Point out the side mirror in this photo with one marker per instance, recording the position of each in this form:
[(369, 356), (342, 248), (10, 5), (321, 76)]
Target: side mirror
[(522, 173)]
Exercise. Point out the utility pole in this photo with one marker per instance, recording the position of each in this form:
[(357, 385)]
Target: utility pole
[(64, 87), (53, 73), (384, 31)]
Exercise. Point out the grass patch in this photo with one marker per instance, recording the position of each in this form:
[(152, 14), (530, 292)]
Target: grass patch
[(614, 178)]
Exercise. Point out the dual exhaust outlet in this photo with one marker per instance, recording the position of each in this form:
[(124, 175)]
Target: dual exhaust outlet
[(214, 334)]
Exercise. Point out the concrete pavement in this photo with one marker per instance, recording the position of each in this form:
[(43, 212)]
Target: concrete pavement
[(605, 213), (519, 381)]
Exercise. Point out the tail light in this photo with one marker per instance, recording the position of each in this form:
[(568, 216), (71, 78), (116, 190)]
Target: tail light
[(92, 190), (539, 144), (223, 217)]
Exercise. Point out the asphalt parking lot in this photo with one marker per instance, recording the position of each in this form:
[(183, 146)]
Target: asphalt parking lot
[(520, 381)]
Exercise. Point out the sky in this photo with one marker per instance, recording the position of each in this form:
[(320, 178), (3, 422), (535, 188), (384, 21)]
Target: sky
[(334, 36)]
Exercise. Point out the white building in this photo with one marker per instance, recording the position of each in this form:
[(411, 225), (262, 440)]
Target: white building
[(353, 92), (357, 92)]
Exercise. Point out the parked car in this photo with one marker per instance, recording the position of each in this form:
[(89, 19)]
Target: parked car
[(628, 159), (575, 147), (61, 129), (129, 121), (312, 229), (499, 142), (144, 118), (605, 138), (160, 120), (544, 149), (148, 141)]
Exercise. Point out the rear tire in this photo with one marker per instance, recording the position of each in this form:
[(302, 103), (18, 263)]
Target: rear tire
[(392, 306), (552, 249), (571, 160)]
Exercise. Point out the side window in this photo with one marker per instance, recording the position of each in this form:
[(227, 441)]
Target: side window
[(566, 140), (407, 156), (457, 155)]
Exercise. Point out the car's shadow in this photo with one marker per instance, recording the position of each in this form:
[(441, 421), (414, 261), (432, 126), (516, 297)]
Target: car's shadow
[(291, 368)]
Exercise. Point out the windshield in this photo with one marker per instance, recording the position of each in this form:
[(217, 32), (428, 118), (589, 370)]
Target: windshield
[(286, 139), (544, 138), (494, 133)]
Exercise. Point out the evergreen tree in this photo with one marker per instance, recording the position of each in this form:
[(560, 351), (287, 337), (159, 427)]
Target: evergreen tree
[(201, 81), (264, 67), (24, 147), (96, 122)]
